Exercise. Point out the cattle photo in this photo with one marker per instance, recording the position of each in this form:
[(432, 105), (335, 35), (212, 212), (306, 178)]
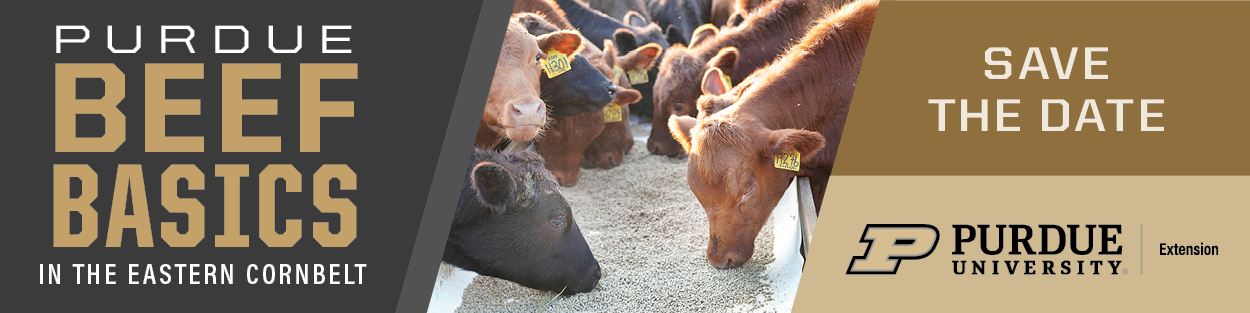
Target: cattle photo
[(653, 155)]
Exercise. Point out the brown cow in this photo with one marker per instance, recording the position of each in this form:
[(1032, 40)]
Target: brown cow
[(762, 37), (797, 104), (564, 142), (513, 107), (716, 96), (614, 142), (566, 137)]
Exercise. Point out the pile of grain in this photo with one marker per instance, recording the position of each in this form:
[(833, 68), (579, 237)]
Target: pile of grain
[(649, 234)]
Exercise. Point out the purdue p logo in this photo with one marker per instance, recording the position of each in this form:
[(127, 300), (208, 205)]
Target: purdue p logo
[(889, 244)]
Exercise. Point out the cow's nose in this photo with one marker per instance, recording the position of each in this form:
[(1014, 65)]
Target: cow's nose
[(612, 90), (598, 273), (519, 110)]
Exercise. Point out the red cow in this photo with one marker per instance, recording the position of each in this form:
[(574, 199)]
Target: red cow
[(616, 139), (797, 104), (564, 142), (513, 107), (759, 40)]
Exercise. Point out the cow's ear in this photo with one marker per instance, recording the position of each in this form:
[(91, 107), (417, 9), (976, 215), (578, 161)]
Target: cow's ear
[(725, 60), (712, 83), (680, 127), (674, 35), (566, 42), (494, 185), (534, 23), (703, 34), (806, 143), (635, 19), (627, 96), (625, 39), (609, 53), (736, 19), (644, 57)]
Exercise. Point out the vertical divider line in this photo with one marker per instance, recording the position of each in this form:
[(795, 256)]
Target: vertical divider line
[(1141, 248)]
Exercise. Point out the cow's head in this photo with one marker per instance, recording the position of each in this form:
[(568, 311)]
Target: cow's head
[(566, 141), (716, 94), (513, 223), (731, 171), (616, 139), (614, 142), (678, 18), (628, 39), (582, 88), (677, 91), (704, 34), (513, 107)]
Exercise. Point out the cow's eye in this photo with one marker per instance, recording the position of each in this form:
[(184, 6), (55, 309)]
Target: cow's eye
[(750, 189), (538, 58), (558, 222), (677, 107)]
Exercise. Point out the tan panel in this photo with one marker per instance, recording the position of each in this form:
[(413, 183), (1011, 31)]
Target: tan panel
[(1167, 209)]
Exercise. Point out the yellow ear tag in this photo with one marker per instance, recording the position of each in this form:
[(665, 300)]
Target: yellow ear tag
[(638, 76), (725, 80), (611, 113), (788, 160), (556, 63), (617, 72)]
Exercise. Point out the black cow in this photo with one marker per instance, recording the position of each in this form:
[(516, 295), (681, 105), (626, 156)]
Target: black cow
[(582, 88), (513, 223), (597, 26), (538, 26), (678, 18), (619, 9)]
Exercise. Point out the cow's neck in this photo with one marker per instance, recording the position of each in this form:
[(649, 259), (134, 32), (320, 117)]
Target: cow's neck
[(777, 21), (807, 87), (487, 138)]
